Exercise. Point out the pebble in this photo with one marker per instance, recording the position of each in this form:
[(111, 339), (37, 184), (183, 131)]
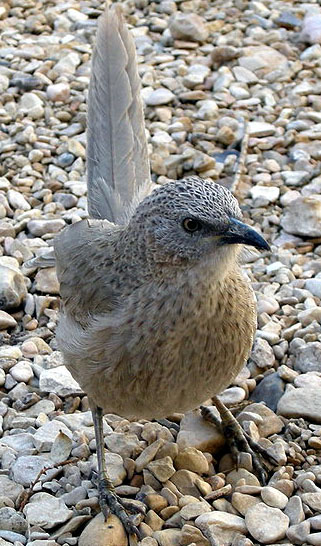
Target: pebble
[(6, 321), (188, 26), (22, 371), (46, 511), (13, 289), (196, 432), (159, 96), (99, 532), (220, 526), (58, 92), (302, 402), (58, 380), (273, 497), (46, 281), (303, 216), (266, 524)]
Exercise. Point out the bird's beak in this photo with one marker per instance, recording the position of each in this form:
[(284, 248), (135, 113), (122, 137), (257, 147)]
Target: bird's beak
[(239, 233)]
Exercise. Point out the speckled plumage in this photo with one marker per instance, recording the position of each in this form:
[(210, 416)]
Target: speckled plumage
[(156, 319)]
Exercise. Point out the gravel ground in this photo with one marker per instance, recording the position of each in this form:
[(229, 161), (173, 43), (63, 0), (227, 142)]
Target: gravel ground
[(236, 71)]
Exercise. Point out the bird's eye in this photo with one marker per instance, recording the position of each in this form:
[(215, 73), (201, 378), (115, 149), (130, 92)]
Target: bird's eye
[(191, 225)]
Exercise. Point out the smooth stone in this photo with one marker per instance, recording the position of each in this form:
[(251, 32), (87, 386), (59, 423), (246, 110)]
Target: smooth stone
[(12, 285), (162, 469), (167, 537), (242, 502), (47, 433), (261, 129), (267, 422), (232, 395), (58, 380), (6, 321), (17, 200), (46, 511), (191, 459), (241, 474), (308, 357), (303, 216), (313, 500), (314, 286), (294, 510), (266, 524), (269, 390), (222, 527), (303, 402), (22, 371), (46, 281), (27, 467), (42, 227), (10, 520), (11, 489), (273, 497), (188, 26), (159, 96), (99, 532), (196, 432), (298, 533), (270, 193), (58, 92)]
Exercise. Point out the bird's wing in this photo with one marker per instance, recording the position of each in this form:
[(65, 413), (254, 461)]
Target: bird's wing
[(84, 257), (118, 170)]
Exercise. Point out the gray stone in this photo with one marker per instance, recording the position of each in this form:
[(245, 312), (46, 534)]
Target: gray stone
[(10, 520), (302, 402), (58, 380), (269, 390), (46, 435), (221, 527), (303, 216), (314, 286), (266, 524), (27, 467), (11, 489), (188, 26), (42, 227), (159, 96), (308, 357), (273, 497), (19, 442), (46, 511), (298, 533), (46, 281), (6, 321), (12, 285), (294, 510)]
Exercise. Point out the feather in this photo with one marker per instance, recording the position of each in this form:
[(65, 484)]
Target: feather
[(118, 172)]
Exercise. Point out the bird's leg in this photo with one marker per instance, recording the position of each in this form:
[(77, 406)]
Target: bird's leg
[(236, 437), (109, 501)]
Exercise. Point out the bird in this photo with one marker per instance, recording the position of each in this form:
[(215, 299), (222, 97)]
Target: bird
[(156, 315)]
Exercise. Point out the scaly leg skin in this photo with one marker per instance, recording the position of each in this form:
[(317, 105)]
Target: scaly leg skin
[(236, 437), (109, 501)]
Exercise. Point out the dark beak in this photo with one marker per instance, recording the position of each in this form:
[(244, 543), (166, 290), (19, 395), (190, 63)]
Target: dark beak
[(239, 233)]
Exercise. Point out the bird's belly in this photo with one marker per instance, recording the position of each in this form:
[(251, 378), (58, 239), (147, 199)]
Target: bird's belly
[(179, 376)]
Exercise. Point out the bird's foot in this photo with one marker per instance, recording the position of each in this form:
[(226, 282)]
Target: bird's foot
[(238, 440), (110, 502)]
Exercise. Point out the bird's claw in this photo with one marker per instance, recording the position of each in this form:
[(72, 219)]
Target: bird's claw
[(110, 502)]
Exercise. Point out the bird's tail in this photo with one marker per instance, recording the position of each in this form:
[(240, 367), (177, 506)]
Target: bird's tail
[(118, 173)]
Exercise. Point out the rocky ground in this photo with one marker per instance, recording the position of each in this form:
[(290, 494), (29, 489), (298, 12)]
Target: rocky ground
[(237, 71)]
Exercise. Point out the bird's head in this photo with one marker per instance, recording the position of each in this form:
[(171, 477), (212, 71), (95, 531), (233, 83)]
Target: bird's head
[(193, 220)]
